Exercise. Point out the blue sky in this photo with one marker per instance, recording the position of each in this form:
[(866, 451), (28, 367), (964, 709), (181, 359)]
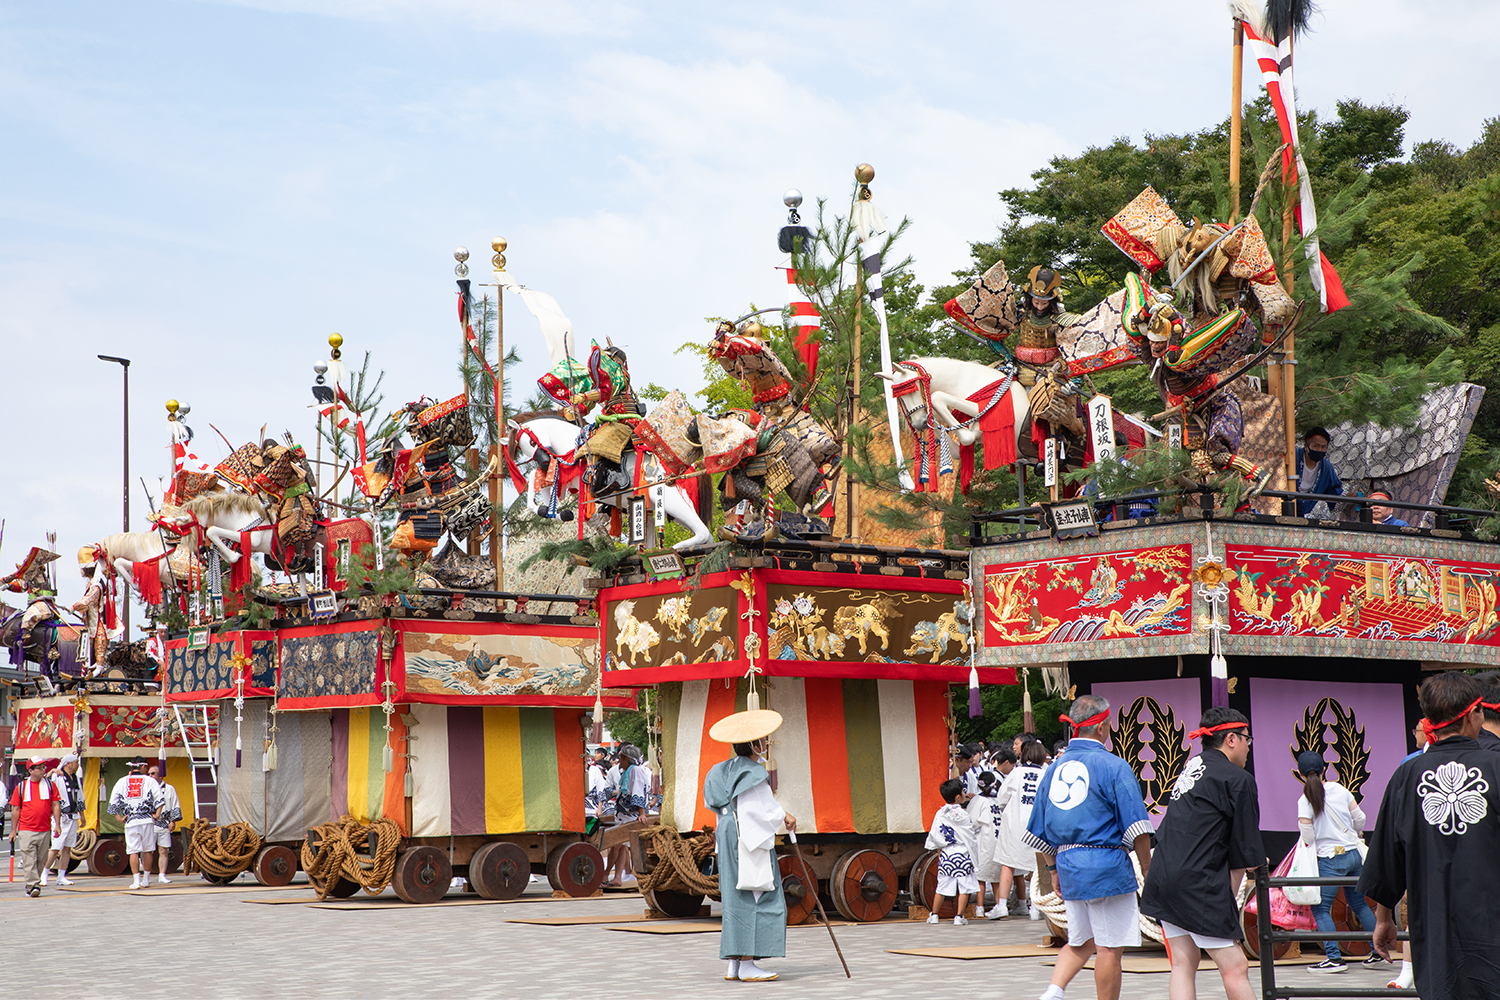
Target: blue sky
[(212, 188)]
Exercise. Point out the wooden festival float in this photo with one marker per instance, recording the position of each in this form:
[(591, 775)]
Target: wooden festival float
[(404, 746), (105, 729), (1318, 630), (856, 646)]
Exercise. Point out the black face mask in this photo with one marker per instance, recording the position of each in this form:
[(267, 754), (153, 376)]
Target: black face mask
[(1313, 457)]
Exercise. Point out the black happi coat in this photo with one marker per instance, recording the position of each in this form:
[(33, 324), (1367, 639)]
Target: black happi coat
[(1488, 740), (1437, 839), (1212, 827)]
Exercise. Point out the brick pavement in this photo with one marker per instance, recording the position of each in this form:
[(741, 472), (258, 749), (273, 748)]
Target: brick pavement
[(215, 945)]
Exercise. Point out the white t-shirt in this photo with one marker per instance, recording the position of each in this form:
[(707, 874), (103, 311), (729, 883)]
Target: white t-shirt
[(1338, 825)]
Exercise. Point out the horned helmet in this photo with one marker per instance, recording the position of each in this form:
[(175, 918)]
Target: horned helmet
[(1042, 291)]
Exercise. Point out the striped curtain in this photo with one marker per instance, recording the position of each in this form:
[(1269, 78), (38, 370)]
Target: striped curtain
[(281, 805), (491, 770), (852, 756), (361, 787)]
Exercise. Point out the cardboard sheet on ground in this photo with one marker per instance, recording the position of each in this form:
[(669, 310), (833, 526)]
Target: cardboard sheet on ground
[(705, 926), (973, 952), (384, 902), (178, 887), (572, 921)]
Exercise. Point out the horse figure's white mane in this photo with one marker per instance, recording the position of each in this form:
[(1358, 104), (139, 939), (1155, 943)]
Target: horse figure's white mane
[(206, 506)]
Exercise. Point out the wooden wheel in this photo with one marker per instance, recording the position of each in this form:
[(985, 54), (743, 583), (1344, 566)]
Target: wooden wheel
[(1251, 945), (800, 887), (1343, 920), (344, 888), (174, 855), (109, 857), (863, 885), (917, 883), (422, 875), (577, 869), (929, 883), (674, 904), (218, 879), (275, 865), (499, 870)]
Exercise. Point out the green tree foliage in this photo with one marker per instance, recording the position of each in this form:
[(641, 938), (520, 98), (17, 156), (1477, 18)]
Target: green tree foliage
[(1003, 718)]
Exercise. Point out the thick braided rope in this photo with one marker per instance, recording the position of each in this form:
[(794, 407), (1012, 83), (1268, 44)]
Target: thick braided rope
[(677, 868), (337, 856), (85, 846), (222, 852), (1052, 905)]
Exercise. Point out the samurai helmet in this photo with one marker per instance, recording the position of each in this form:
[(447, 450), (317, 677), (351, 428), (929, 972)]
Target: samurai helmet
[(1042, 283), (87, 557)]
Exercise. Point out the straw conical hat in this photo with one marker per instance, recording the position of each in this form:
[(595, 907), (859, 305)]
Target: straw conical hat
[(745, 727)]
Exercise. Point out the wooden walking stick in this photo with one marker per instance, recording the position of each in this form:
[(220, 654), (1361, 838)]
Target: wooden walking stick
[(792, 836)]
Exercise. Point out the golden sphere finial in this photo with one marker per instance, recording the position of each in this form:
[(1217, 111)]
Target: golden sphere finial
[(864, 173), (498, 244), (336, 341), (173, 406)]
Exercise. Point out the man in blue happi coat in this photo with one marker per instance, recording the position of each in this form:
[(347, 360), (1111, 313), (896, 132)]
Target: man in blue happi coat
[(1088, 813), (738, 790)]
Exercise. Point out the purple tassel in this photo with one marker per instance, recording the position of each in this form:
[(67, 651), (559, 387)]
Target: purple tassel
[(1219, 691), (975, 710)]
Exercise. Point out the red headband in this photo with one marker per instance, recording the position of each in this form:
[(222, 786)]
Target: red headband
[(1088, 723), (1493, 706), (1430, 731), (1200, 733)]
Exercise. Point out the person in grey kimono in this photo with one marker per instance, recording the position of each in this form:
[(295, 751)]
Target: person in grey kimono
[(738, 790)]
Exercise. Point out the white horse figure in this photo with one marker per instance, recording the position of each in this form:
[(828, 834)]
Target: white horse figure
[(553, 436), (122, 550), (953, 382)]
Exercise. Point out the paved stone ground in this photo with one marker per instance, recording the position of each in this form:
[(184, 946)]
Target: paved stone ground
[(216, 945)]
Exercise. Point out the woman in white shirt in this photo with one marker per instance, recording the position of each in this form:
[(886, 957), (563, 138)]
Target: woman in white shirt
[(1331, 821)]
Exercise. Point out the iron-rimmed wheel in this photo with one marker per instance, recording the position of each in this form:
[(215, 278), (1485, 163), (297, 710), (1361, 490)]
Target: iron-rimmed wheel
[(499, 870), (800, 887), (344, 888), (863, 885), (275, 865), (577, 868), (423, 875), (1251, 945), (109, 857), (917, 882), (674, 904)]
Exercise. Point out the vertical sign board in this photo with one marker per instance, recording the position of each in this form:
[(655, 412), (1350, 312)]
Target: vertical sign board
[(1174, 435), (637, 520), (1049, 458), (1102, 427)]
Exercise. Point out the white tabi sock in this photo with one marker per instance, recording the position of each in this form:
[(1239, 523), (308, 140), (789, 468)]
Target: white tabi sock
[(734, 969), (1052, 992)]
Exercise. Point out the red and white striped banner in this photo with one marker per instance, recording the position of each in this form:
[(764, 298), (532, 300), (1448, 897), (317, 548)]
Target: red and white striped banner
[(1275, 62), (336, 413), (807, 321)]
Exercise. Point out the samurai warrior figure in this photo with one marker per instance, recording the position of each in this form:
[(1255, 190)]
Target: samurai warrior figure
[(605, 383), (33, 579), (1193, 335), (792, 452)]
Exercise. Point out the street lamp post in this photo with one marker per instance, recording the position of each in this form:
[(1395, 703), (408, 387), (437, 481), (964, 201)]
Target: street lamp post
[(124, 364)]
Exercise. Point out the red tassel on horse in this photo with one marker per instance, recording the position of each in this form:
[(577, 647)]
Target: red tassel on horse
[(147, 580), (241, 573), (111, 613), (965, 466)]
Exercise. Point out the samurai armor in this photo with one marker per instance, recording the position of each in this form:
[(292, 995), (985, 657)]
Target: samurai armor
[(820, 445), (191, 484), (567, 378), (447, 423), (469, 515), (664, 431), (281, 472), (1135, 228), (748, 358), (610, 439), (417, 532), (988, 307), (239, 470), (372, 477), (296, 517), (182, 562), (727, 441)]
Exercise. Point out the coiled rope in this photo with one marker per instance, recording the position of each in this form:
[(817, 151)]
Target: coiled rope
[(220, 852), (87, 839), (339, 850), (679, 862)]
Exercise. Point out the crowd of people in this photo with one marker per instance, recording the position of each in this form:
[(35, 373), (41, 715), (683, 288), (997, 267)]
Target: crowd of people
[(1437, 832), (620, 789)]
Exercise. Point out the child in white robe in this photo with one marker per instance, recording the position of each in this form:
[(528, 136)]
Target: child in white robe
[(953, 833), (984, 811)]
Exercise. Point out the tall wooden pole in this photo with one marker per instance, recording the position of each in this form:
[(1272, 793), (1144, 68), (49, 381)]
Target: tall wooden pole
[(1235, 81), (852, 490), (498, 244), (1289, 346)]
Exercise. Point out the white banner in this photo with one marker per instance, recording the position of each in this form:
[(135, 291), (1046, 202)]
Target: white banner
[(1102, 427)]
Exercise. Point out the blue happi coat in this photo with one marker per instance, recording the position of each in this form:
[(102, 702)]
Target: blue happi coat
[(1088, 812)]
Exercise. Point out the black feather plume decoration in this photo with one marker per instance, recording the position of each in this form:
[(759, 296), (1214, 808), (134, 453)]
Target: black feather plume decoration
[(1288, 17)]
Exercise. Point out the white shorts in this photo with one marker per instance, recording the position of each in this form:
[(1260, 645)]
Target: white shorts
[(163, 836), (1113, 922), (955, 884), (140, 836), (69, 834), (1203, 941)]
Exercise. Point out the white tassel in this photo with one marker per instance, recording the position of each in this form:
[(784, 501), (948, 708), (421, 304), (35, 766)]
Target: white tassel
[(387, 759), (752, 701)]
